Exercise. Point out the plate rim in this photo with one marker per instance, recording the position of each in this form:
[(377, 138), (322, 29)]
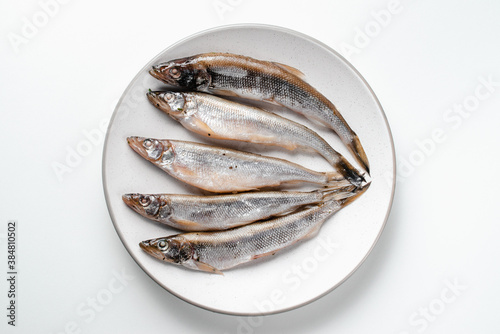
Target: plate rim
[(262, 27)]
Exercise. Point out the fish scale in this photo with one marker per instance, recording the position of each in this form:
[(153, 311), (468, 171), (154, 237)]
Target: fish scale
[(231, 74), (204, 213), (219, 169), (219, 118), (221, 250)]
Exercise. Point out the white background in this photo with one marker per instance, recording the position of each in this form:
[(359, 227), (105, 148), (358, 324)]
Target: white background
[(63, 80)]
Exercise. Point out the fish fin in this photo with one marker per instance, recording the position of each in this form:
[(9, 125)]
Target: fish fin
[(250, 189), (271, 140), (186, 225), (335, 176), (224, 92), (198, 126), (220, 184), (271, 100), (291, 69), (185, 172), (242, 189), (207, 268), (313, 232), (290, 146), (264, 254)]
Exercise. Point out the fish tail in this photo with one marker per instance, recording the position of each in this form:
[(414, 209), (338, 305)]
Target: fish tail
[(344, 167), (347, 196), (350, 173), (336, 181), (328, 191), (359, 153)]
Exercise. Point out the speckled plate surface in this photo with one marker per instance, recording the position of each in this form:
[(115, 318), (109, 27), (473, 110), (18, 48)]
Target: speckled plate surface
[(300, 274)]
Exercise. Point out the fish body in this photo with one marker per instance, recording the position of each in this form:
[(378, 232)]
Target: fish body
[(219, 212), (217, 251), (214, 117), (236, 75), (224, 170)]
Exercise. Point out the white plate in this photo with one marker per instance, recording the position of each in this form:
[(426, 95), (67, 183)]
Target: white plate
[(299, 274)]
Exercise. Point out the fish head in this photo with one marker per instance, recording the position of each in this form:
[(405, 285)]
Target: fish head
[(160, 152), (151, 206), (173, 249), (183, 72), (172, 103)]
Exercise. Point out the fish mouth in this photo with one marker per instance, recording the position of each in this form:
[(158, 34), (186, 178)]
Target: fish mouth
[(153, 150), (152, 250), (149, 148), (156, 99), (158, 74), (153, 97), (136, 143), (144, 245), (130, 200)]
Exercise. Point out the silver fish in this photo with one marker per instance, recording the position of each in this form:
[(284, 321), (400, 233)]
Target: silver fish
[(224, 170), (230, 74), (217, 251), (214, 117), (221, 212)]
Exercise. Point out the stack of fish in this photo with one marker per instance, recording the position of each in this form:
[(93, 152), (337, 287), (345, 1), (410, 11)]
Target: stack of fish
[(226, 230)]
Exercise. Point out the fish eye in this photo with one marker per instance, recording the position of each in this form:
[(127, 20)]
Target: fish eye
[(169, 97), (174, 72), (148, 143), (144, 200), (162, 245)]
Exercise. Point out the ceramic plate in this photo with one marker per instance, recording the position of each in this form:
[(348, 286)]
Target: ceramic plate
[(300, 274)]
